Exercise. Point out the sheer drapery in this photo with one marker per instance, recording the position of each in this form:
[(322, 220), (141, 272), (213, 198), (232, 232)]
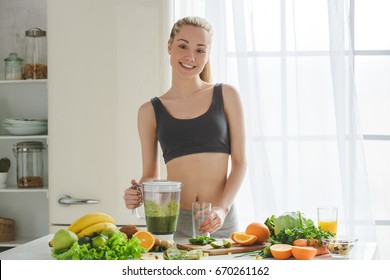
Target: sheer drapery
[(293, 66)]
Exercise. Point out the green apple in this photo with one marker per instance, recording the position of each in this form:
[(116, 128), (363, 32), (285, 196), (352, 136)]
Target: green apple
[(64, 239)]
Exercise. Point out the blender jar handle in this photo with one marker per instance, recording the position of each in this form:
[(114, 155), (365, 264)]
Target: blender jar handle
[(134, 211)]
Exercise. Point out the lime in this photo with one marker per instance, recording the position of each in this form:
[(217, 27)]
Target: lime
[(216, 244), (98, 241), (226, 243), (64, 239)]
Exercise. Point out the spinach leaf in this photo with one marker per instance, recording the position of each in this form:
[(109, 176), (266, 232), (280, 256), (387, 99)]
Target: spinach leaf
[(201, 240)]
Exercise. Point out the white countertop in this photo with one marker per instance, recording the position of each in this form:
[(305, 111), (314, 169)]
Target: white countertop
[(39, 250)]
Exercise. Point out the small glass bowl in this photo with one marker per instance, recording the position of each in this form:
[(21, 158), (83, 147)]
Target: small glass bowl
[(340, 246)]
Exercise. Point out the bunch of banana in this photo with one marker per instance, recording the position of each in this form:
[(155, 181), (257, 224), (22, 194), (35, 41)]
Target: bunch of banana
[(92, 222)]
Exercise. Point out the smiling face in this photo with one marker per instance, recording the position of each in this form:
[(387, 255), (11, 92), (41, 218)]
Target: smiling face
[(189, 51)]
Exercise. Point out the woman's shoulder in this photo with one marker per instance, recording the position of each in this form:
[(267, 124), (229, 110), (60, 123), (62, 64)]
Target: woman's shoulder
[(147, 106), (230, 93), (146, 111)]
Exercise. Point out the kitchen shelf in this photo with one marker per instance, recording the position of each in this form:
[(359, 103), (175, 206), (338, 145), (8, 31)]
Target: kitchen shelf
[(23, 99), (23, 82), (17, 242), (17, 137), (15, 189)]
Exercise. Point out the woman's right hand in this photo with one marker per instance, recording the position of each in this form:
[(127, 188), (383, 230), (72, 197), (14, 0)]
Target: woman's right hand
[(132, 196)]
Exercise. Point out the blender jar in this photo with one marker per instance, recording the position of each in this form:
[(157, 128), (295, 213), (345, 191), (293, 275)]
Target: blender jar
[(13, 67), (162, 206), (35, 61), (29, 164)]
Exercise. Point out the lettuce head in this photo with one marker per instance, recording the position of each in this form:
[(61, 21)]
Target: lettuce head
[(290, 220)]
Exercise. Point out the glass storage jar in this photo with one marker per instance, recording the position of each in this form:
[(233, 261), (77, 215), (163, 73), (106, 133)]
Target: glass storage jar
[(29, 159), (35, 60), (13, 67)]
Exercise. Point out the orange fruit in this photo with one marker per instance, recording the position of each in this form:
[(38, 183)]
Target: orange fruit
[(260, 230), (232, 235), (304, 253), (281, 251), (244, 239), (146, 238)]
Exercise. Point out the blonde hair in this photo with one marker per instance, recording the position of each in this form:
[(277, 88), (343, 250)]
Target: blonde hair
[(205, 75)]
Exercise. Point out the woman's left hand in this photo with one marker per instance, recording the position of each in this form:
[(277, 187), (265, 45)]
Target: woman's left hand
[(214, 221)]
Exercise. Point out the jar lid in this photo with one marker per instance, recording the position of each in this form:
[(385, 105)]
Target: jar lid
[(13, 57), (29, 145), (35, 32), (162, 186)]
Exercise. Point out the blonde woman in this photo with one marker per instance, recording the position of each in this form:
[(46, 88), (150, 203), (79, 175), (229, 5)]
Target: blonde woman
[(200, 127)]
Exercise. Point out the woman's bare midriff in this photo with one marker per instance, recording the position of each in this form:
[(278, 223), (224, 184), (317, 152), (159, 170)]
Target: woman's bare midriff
[(203, 177)]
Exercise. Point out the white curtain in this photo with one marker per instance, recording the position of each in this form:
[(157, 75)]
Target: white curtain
[(293, 66)]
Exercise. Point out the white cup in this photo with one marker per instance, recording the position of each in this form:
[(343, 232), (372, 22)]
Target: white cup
[(3, 179), (200, 211)]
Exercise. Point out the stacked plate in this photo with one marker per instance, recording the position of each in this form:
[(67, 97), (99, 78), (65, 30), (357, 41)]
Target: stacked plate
[(25, 126)]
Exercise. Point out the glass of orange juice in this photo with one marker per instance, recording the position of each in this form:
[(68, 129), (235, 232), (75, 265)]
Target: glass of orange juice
[(327, 218)]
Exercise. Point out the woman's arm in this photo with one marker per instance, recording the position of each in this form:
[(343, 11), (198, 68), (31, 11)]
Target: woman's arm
[(148, 135), (235, 117), (148, 138)]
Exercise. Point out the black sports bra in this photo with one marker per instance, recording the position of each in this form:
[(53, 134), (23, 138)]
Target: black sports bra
[(207, 133)]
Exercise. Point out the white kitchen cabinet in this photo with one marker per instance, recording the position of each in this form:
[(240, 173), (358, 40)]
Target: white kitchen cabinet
[(27, 206), (104, 63)]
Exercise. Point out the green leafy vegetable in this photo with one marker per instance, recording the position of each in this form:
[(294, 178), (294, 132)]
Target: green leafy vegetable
[(201, 240), (290, 220), (117, 247)]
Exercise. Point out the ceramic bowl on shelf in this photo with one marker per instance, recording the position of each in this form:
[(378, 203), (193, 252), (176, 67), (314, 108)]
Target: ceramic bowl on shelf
[(340, 246), (25, 126), (24, 122)]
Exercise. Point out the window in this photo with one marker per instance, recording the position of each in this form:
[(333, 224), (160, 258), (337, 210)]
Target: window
[(372, 70), (302, 100)]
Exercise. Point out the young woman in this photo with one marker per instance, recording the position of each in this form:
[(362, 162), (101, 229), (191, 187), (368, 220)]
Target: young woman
[(200, 127)]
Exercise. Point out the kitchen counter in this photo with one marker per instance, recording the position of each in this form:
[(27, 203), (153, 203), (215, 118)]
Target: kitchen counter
[(39, 250)]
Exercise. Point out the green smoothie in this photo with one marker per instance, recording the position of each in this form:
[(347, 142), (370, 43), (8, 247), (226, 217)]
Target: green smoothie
[(161, 219)]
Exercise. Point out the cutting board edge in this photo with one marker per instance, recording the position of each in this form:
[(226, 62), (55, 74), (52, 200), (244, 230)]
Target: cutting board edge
[(236, 249)]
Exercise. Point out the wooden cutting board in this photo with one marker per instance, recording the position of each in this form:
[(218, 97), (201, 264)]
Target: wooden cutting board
[(235, 249)]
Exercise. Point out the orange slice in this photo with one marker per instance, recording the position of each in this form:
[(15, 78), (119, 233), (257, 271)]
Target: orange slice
[(232, 235), (146, 238), (243, 238), (303, 253), (281, 251)]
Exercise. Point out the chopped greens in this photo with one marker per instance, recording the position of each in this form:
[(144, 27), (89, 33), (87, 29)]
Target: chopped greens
[(201, 240)]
